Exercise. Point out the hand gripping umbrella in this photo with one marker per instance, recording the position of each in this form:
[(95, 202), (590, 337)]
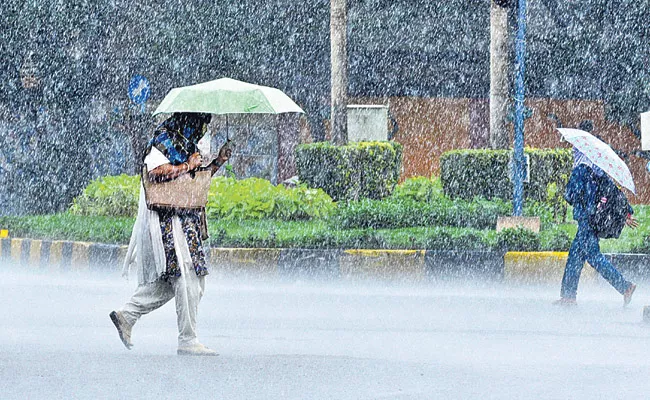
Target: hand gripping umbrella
[(600, 154)]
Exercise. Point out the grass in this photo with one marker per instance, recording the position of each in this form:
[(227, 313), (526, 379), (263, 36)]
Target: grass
[(307, 234), (254, 233), (66, 226), (631, 240)]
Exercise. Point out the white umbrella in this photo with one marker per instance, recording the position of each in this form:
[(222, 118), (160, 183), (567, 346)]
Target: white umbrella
[(600, 154)]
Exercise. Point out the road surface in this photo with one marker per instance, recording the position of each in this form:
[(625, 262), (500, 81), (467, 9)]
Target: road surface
[(311, 340)]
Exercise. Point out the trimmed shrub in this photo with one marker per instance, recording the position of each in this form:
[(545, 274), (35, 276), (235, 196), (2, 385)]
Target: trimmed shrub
[(256, 198), (295, 234), (66, 226), (469, 173), (391, 213), (251, 198), (113, 196), (351, 172), (518, 239), (419, 188), (554, 240)]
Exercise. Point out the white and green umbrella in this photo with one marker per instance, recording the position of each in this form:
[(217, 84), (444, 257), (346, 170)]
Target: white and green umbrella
[(227, 96)]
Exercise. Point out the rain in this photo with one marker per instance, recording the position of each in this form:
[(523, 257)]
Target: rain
[(426, 264)]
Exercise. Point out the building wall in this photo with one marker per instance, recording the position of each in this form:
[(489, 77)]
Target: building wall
[(430, 127)]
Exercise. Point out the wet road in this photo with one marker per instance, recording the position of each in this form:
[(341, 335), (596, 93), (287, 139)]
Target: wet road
[(306, 340)]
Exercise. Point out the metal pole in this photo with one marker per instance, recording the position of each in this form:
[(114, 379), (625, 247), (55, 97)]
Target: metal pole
[(518, 175)]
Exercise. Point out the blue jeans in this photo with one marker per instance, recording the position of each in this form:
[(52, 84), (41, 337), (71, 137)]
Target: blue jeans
[(585, 247)]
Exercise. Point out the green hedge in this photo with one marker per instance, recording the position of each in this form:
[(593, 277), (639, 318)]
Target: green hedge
[(229, 198), (351, 172), (419, 188), (66, 226), (469, 173), (256, 198), (292, 234), (115, 196), (400, 213)]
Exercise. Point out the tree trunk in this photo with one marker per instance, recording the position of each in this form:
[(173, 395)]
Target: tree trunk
[(339, 71), (499, 75)]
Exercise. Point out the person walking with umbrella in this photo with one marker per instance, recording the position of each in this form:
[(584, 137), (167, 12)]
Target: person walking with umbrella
[(166, 244), (582, 193)]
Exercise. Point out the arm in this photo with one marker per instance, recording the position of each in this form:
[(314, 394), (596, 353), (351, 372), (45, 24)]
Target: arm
[(168, 172), (224, 155)]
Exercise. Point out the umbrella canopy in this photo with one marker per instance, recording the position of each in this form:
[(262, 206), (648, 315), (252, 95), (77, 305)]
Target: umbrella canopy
[(227, 96), (600, 154)]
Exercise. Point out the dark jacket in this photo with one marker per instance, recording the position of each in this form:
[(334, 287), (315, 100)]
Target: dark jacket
[(582, 189)]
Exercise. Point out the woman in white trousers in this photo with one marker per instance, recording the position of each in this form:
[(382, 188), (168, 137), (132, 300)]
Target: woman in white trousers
[(166, 246)]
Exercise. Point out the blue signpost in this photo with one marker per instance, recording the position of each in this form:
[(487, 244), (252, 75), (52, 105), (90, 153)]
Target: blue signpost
[(518, 175), (139, 90)]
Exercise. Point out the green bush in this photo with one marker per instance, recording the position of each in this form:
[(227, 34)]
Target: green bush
[(251, 198), (419, 188), (307, 234), (518, 239), (114, 196), (469, 173), (395, 213), (66, 226), (554, 240), (642, 246), (351, 172), (294, 234), (542, 210), (256, 198)]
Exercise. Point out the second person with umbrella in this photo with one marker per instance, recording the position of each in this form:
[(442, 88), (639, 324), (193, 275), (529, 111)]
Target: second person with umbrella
[(586, 182)]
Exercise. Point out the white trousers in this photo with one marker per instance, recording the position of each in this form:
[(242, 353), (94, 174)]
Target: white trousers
[(186, 289)]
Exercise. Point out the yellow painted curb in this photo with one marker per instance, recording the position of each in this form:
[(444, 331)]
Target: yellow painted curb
[(539, 267), (35, 253), (56, 256), (383, 264), (16, 249), (80, 256), (256, 261)]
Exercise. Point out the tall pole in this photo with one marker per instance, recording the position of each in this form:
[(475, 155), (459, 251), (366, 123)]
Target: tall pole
[(339, 71), (500, 64), (518, 175)]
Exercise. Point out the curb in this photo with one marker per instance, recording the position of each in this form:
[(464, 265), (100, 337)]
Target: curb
[(539, 267), (401, 265), (62, 256)]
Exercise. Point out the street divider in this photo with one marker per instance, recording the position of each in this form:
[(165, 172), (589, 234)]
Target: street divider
[(331, 264)]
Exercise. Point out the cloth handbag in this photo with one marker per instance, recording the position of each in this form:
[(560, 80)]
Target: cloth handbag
[(183, 193)]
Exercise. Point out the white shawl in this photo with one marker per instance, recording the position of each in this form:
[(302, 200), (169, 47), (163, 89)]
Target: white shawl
[(146, 249)]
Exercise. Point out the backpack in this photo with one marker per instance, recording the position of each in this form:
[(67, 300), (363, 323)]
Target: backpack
[(608, 220)]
